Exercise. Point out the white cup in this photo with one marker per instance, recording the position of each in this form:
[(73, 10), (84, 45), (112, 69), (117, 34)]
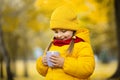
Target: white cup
[(49, 53)]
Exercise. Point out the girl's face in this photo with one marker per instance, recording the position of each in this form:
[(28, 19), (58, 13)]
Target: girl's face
[(63, 34)]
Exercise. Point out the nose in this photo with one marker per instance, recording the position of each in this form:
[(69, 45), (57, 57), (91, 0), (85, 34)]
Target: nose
[(59, 36)]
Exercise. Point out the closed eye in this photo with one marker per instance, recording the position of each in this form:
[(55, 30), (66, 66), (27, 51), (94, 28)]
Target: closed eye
[(63, 31), (55, 31)]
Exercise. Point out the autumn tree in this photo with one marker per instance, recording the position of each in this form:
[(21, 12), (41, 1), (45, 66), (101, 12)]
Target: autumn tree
[(117, 16)]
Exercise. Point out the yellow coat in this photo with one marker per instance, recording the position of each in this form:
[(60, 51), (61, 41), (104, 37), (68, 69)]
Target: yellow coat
[(78, 66)]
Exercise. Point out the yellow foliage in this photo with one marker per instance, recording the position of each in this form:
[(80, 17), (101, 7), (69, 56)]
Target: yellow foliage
[(8, 28), (89, 9), (48, 5), (10, 24), (78, 5), (34, 25), (99, 14), (98, 17)]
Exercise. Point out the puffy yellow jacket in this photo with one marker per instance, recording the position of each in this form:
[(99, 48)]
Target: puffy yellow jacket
[(78, 66)]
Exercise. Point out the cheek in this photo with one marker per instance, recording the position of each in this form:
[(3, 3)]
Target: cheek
[(55, 35), (68, 35)]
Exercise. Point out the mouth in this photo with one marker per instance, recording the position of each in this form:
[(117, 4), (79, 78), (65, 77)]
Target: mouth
[(60, 39)]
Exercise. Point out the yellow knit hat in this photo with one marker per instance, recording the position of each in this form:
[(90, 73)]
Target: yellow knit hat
[(64, 17)]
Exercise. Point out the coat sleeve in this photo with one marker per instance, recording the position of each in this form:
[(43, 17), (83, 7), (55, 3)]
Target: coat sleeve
[(83, 65), (40, 67)]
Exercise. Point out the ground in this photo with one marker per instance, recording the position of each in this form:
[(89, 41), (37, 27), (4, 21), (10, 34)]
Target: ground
[(102, 71)]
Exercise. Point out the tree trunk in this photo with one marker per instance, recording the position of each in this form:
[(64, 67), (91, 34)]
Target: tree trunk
[(5, 55), (1, 67), (13, 67), (25, 68), (117, 16)]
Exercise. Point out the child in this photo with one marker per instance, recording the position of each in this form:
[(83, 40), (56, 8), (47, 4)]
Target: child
[(76, 59)]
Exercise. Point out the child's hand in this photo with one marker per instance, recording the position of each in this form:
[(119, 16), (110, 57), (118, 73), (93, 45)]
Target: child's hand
[(57, 61), (44, 60)]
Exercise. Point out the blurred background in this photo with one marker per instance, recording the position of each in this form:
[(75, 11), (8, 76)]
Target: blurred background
[(25, 33)]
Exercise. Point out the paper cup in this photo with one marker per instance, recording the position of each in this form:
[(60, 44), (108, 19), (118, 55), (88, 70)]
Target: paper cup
[(49, 53)]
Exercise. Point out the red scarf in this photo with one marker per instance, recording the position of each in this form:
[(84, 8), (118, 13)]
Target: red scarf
[(57, 42)]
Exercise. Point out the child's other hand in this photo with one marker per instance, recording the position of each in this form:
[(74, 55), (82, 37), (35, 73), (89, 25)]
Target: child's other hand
[(44, 60), (57, 61)]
